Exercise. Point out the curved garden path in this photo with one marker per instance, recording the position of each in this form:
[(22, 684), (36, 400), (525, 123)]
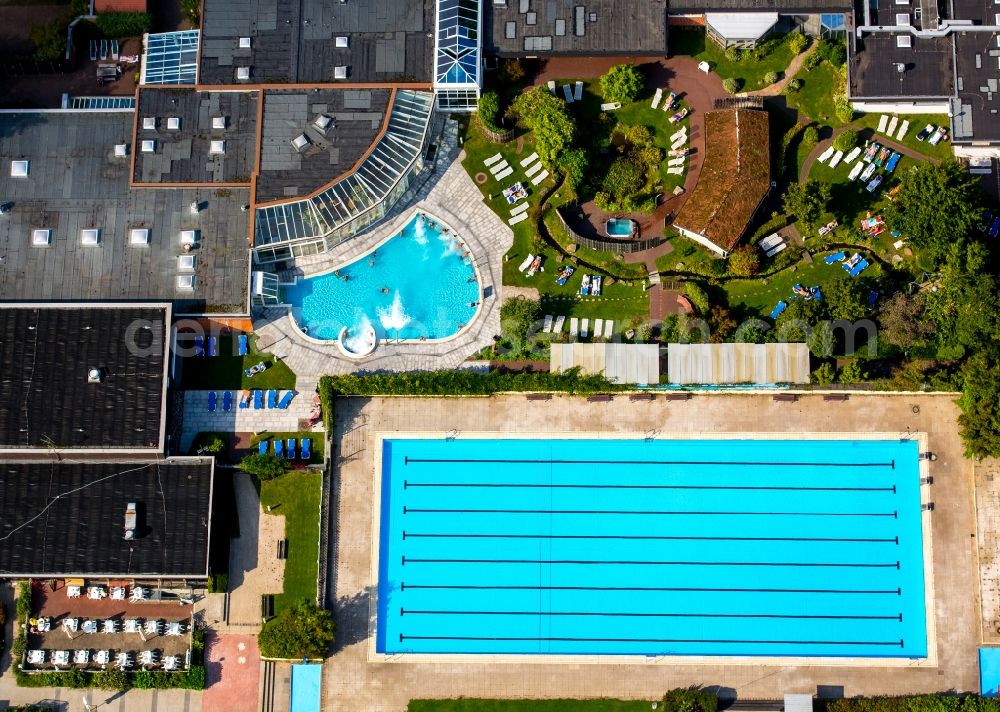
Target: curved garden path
[(793, 67)]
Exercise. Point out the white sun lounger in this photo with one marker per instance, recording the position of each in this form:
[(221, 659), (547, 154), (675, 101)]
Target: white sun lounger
[(493, 159), (679, 144), (547, 325), (611, 106), (892, 126), (679, 161), (902, 130), (540, 177), (527, 263), (608, 328), (676, 170), (825, 156), (560, 320), (898, 244), (679, 134), (656, 98), (552, 86), (523, 207), (836, 159), (855, 152), (530, 159), (533, 169), (776, 249), (503, 165), (504, 173), (856, 171), (882, 121), (573, 326), (599, 328), (517, 218), (568, 93), (578, 93), (584, 327), (770, 241)]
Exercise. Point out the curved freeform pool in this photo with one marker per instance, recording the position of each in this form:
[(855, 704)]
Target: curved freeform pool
[(419, 284)]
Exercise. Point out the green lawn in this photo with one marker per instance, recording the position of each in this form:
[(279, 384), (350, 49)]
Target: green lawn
[(758, 299), (296, 496), (316, 448), (917, 122), (473, 705), (692, 42), (815, 98), (227, 370)]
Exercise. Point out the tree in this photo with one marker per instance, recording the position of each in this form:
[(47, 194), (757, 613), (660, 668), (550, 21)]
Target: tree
[(964, 309), (807, 201), (49, 40), (649, 156), (722, 324), (795, 84), (546, 117), (744, 261), (510, 71), (902, 322), (846, 297), (574, 163), (824, 375), (625, 178), (302, 631), (810, 137), (638, 135), (621, 84), (489, 110), (842, 109), (853, 372), (937, 206), (697, 295), (846, 140), (265, 467), (798, 42), (771, 77), (980, 418), (517, 317), (732, 84)]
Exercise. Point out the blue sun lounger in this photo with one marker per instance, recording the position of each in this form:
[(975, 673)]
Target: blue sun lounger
[(872, 298), (817, 295), (262, 447), (279, 447), (213, 401), (305, 452), (199, 346), (244, 345), (227, 401), (291, 448), (891, 165), (258, 399), (859, 268), (835, 257), (781, 306), (272, 398), (286, 399), (213, 345)]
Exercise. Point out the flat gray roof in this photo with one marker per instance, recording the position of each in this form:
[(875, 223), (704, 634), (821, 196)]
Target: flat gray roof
[(929, 66), (75, 182), (388, 40)]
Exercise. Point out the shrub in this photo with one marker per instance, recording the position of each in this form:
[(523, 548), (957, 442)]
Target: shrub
[(304, 630), (853, 372), (644, 333), (517, 317), (489, 110), (510, 71), (461, 382), (812, 61), (638, 135), (843, 109), (190, 9), (798, 42), (770, 77), (123, 24), (23, 602), (846, 140), (744, 261), (795, 84), (625, 177), (218, 583), (264, 467), (690, 700), (824, 375), (732, 84), (111, 679), (49, 40), (733, 54), (621, 84), (697, 295)]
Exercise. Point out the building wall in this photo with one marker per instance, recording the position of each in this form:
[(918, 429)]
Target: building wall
[(702, 240), (939, 106)]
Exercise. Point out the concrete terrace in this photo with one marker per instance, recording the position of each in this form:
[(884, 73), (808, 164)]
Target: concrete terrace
[(353, 682), (488, 239)]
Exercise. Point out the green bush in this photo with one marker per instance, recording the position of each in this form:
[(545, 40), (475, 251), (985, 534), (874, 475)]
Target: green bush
[(461, 382), (190, 8), (812, 61), (846, 140), (690, 700), (49, 40), (853, 372), (218, 583), (302, 631), (732, 84), (843, 109), (621, 84), (625, 178), (771, 77), (824, 375), (22, 605), (517, 317), (798, 42), (810, 137), (510, 71), (733, 54), (795, 84), (698, 296), (123, 24), (489, 110), (744, 261), (265, 467), (112, 679)]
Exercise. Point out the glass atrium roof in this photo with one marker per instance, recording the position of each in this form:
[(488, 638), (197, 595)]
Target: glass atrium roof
[(171, 58), (353, 194), (457, 60)]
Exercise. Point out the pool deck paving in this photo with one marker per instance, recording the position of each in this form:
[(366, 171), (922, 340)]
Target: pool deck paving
[(356, 680), (447, 197), (988, 509)]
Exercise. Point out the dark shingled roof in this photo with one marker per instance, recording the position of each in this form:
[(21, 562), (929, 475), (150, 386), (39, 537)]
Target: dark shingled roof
[(68, 519), (734, 179), (47, 351)]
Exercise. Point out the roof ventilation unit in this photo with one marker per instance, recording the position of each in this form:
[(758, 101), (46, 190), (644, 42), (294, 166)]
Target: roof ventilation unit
[(139, 236), (340, 72), (149, 146), (121, 150), (130, 517), (41, 237), (904, 41), (19, 169), (341, 41), (243, 74), (218, 123), (95, 375), (90, 236), (149, 123), (185, 282), (217, 148), (244, 43)]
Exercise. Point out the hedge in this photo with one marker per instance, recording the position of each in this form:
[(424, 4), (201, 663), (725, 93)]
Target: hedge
[(123, 24), (917, 703)]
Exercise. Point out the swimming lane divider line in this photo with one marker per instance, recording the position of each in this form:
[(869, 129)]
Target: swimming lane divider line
[(733, 641), (407, 460), (514, 485), (653, 512), (686, 589), (583, 562), (650, 537), (617, 614)]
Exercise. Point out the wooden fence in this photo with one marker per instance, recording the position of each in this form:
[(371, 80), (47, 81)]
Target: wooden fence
[(608, 245)]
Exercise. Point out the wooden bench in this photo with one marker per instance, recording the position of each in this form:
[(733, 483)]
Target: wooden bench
[(267, 606), (539, 396), (283, 548), (785, 397), (642, 396), (678, 396), (835, 396), (599, 399)]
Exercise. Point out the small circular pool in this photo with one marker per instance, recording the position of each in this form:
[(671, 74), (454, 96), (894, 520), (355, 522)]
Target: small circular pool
[(417, 285)]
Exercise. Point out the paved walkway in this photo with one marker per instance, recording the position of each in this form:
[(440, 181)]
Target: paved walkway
[(254, 567), (232, 672), (353, 683), (793, 67), (456, 200), (987, 473)]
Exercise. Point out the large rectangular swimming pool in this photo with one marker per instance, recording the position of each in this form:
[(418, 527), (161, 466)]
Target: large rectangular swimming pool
[(660, 547)]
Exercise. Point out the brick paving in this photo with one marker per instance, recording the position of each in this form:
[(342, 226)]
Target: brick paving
[(352, 682), (232, 672)]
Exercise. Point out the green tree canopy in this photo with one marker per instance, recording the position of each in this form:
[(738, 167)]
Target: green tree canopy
[(964, 308), (902, 322), (574, 163), (265, 467), (518, 315), (302, 631), (744, 261), (808, 201), (846, 140), (621, 84), (980, 403), (846, 297), (545, 116), (625, 178), (937, 206)]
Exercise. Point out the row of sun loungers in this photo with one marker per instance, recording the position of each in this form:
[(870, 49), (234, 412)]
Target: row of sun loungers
[(305, 450), (603, 328), (854, 266), (553, 325), (887, 126), (255, 398), (772, 244)]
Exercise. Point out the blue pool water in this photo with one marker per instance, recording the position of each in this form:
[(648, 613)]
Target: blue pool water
[(306, 681), (419, 286), (617, 227), (738, 547)]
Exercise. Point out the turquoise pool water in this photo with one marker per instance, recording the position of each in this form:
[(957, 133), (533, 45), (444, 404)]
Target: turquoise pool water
[(617, 227), (306, 681), (418, 284), (737, 547)]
